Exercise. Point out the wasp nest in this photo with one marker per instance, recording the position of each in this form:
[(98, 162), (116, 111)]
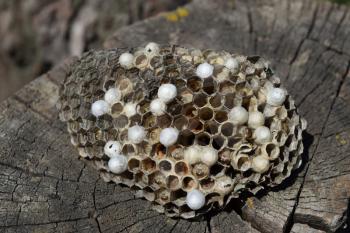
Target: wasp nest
[(188, 129)]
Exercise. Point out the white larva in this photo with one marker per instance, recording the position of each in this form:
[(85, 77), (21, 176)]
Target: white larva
[(192, 154), (260, 164), (118, 164), (209, 155), (168, 136), (99, 108), (126, 60), (112, 148), (238, 115), (157, 107), (112, 96), (136, 134), (195, 199), (152, 49), (276, 96), (130, 109), (224, 185), (256, 119), (204, 70), (167, 92), (231, 64), (262, 135)]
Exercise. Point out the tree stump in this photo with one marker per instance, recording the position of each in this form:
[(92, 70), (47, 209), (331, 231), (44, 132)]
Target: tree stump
[(44, 187)]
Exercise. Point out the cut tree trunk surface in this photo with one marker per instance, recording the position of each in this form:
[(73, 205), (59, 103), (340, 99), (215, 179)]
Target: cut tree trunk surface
[(44, 187)]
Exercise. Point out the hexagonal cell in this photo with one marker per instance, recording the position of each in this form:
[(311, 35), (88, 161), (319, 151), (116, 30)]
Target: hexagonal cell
[(189, 110), (148, 165), (121, 121), (215, 101), (135, 120), (180, 83), (148, 120), (232, 141), (243, 163), (189, 183), (164, 121), (195, 125), (116, 109), (244, 91), (134, 164), (207, 184), (227, 87), (127, 175), (213, 198), (171, 72), (179, 195), (218, 142), (186, 137), (225, 156), (205, 113), (203, 139), (109, 84), (170, 209), (138, 96), (227, 129), (154, 135), (209, 86), (141, 180), (221, 116), (200, 99), (177, 152), (211, 127), (200, 171), (125, 85), (123, 136), (181, 168), (141, 61), (143, 147), (156, 62), (186, 96), (157, 180), (229, 100), (165, 166), (180, 122), (158, 151), (128, 149), (174, 108), (98, 94), (173, 182), (194, 83), (163, 196), (144, 106), (216, 169), (149, 194)]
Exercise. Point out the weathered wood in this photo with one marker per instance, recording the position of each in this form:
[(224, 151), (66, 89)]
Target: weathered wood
[(45, 187), (301, 228), (324, 199)]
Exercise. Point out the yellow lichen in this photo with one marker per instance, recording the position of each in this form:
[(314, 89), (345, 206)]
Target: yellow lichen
[(176, 15), (340, 139), (250, 203), (171, 16), (182, 12)]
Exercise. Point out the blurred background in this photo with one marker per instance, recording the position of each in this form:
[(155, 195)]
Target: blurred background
[(36, 35)]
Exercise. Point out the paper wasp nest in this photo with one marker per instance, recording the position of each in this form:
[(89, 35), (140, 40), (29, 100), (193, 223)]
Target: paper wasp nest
[(188, 129)]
